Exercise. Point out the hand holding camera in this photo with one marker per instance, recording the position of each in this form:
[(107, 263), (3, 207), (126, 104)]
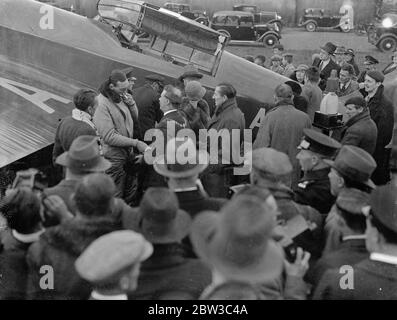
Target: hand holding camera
[(300, 266)]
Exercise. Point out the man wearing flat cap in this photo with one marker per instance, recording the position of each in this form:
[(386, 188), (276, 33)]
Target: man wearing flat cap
[(375, 278), (381, 111), (275, 64), (147, 100), (111, 264), (314, 188), (359, 130), (325, 63), (282, 128), (352, 225)]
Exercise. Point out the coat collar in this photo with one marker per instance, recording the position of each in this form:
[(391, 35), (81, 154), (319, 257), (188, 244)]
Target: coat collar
[(316, 175), (230, 103), (377, 96), (361, 116)]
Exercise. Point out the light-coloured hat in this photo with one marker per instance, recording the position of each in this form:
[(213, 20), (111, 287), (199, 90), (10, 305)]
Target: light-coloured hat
[(176, 164), (195, 91), (112, 253)]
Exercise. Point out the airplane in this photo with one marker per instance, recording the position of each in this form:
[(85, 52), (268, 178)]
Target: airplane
[(47, 54)]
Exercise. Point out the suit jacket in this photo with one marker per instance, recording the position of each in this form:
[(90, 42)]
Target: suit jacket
[(360, 131), (326, 72), (373, 280), (147, 101), (353, 86), (349, 253), (314, 190)]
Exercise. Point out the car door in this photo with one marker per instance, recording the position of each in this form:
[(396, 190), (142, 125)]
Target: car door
[(246, 28)]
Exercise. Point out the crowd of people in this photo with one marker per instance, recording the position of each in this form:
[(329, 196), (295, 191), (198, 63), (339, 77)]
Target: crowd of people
[(312, 208)]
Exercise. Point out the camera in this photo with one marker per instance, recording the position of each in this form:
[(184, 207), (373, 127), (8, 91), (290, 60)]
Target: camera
[(31, 178)]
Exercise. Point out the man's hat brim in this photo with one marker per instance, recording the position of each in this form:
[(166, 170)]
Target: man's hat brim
[(158, 234), (65, 161), (161, 167), (204, 229), (368, 183), (190, 74)]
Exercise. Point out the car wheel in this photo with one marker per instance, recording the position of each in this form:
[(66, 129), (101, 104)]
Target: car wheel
[(311, 27), (388, 44), (270, 40)]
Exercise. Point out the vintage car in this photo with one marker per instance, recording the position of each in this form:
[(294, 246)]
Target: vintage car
[(315, 18), (240, 26), (261, 17), (185, 10), (384, 33)]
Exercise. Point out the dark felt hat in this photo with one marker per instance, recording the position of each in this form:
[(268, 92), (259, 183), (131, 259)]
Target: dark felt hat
[(355, 164), (329, 47)]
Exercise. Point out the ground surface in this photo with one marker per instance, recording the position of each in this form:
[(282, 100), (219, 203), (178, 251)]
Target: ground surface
[(303, 44)]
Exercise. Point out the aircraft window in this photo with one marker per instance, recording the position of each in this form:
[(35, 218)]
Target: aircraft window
[(203, 60), (178, 50), (124, 12), (159, 44)]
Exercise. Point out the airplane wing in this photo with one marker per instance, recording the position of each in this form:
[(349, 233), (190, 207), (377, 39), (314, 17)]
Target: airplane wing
[(30, 108)]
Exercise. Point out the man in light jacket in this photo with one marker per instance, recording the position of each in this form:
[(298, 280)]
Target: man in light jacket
[(116, 127)]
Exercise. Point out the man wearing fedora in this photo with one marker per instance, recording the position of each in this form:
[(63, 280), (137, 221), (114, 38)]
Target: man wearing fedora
[(59, 246), (116, 128), (111, 264), (359, 130), (238, 245), (147, 101), (82, 159), (299, 101), (314, 188), (184, 180), (381, 111), (351, 223), (374, 278), (325, 63), (167, 274), (340, 55)]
